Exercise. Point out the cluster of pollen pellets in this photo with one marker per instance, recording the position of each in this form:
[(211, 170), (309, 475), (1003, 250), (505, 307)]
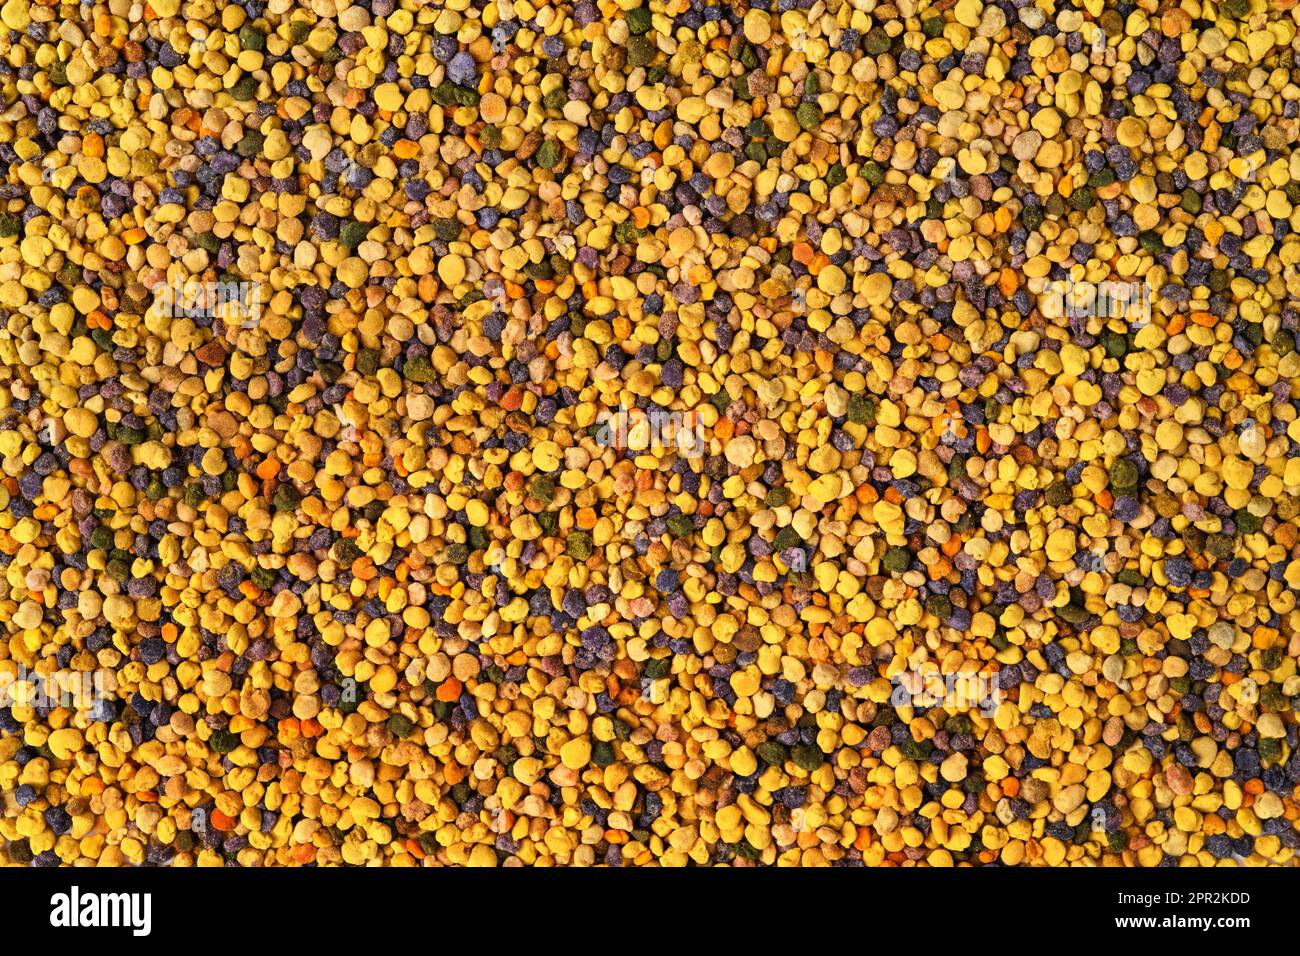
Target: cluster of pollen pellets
[(649, 432)]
